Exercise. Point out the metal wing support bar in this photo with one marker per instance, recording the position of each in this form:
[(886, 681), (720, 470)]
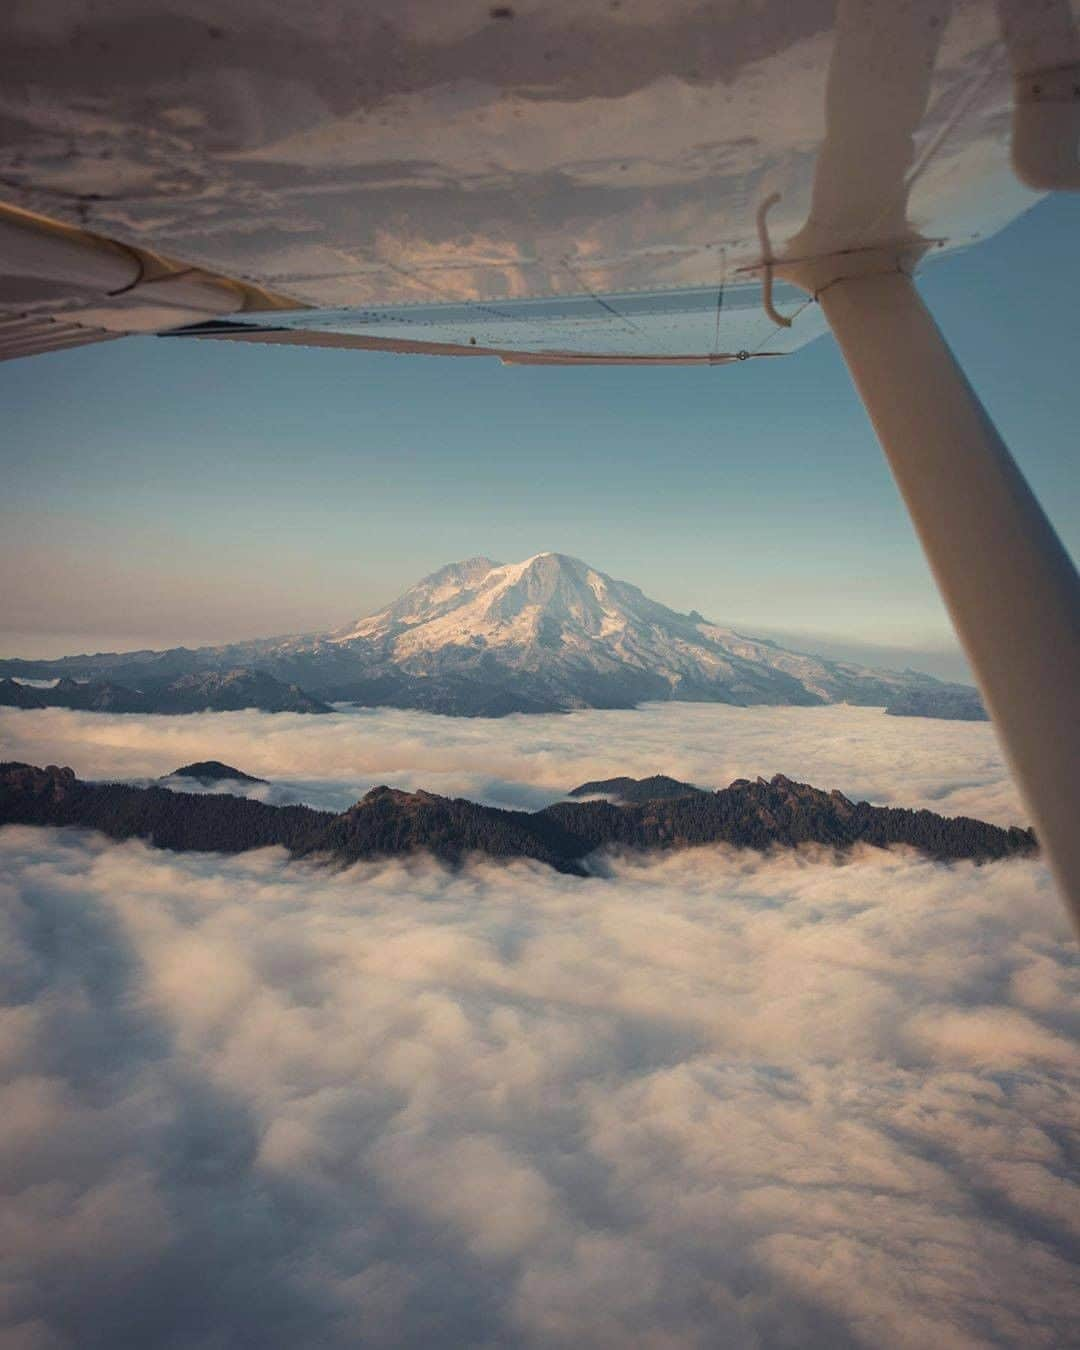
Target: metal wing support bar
[(1009, 585)]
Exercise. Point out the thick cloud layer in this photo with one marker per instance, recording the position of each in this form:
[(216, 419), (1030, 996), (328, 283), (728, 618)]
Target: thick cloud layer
[(951, 767), (707, 1099), (710, 1098)]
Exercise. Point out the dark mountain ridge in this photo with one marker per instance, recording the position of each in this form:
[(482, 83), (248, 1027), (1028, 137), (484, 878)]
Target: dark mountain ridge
[(780, 811), (625, 790), (213, 771), (951, 702), (183, 821), (195, 691), (388, 822)]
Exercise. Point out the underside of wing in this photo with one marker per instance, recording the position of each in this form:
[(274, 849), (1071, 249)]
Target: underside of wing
[(557, 182)]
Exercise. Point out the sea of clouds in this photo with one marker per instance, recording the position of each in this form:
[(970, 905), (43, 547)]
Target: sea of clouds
[(527, 762), (714, 1098)]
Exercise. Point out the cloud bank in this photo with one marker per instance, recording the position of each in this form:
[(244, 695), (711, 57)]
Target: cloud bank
[(954, 768), (706, 1099)]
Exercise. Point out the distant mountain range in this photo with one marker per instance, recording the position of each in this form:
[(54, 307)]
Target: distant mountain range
[(480, 638), (154, 692), (387, 822)]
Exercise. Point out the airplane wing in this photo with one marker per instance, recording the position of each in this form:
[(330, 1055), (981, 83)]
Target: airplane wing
[(578, 182), (562, 180)]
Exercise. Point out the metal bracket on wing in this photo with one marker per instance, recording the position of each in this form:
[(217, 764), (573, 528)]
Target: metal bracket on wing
[(767, 263)]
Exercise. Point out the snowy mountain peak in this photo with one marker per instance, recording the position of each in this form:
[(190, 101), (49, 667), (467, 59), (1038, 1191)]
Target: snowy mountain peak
[(432, 595), (551, 631), (550, 601), (480, 637)]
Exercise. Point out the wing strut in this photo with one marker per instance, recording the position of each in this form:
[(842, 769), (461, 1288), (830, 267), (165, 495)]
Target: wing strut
[(1008, 583)]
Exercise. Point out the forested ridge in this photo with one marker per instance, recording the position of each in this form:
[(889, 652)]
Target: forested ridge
[(206, 822), (387, 822), (763, 813)]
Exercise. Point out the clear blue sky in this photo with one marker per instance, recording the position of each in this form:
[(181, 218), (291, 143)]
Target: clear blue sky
[(160, 492)]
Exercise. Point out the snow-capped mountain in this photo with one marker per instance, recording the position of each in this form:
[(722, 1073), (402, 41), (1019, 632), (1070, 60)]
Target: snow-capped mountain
[(550, 633), (554, 633)]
